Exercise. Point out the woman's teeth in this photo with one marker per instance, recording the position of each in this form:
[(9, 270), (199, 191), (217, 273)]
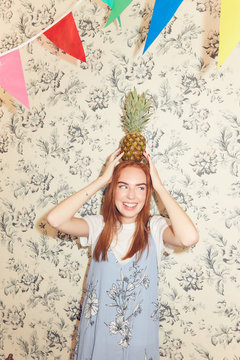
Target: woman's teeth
[(129, 205)]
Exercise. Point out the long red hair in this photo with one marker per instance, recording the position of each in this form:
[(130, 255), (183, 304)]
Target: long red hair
[(112, 217)]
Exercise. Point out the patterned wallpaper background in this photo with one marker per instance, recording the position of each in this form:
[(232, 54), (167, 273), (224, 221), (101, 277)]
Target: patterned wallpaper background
[(60, 145)]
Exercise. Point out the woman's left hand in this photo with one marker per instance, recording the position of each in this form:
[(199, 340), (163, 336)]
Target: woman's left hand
[(156, 181), (182, 232)]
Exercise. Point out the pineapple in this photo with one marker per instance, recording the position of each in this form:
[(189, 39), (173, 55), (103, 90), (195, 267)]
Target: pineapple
[(136, 113)]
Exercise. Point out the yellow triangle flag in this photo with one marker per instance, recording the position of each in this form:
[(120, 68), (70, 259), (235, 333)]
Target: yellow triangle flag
[(229, 28)]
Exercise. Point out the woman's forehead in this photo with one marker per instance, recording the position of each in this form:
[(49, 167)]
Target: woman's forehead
[(131, 173)]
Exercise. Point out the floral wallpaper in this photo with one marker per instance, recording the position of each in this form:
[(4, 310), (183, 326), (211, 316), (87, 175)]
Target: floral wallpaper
[(61, 143)]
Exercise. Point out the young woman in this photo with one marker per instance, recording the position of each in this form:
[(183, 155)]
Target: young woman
[(120, 311)]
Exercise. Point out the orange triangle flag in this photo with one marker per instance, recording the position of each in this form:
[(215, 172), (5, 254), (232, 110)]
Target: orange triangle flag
[(65, 35)]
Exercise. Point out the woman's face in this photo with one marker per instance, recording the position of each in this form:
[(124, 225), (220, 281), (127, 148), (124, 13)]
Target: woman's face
[(130, 193)]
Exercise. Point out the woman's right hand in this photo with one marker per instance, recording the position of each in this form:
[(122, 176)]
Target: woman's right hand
[(62, 216), (111, 162)]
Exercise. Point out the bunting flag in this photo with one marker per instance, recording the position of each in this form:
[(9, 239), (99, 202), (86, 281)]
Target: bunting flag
[(162, 13), (65, 35), (229, 29), (110, 4), (12, 77), (118, 7)]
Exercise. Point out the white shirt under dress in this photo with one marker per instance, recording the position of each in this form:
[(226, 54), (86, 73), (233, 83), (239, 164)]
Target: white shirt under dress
[(120, 244)]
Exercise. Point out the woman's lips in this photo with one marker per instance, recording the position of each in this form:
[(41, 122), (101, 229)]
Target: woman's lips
[(129, 206)]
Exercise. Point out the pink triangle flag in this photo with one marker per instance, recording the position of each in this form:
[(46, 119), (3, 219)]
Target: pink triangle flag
[(12, 77), (65, 35)]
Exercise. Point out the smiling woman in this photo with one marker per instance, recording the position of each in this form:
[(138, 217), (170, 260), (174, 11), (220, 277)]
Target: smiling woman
[(122, 283), (127, 200), (130, 193)]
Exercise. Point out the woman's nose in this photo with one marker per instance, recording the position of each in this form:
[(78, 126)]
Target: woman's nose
[(131, 193)]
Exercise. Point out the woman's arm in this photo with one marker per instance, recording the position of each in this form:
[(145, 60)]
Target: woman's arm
[(62, 216), (182, 232)]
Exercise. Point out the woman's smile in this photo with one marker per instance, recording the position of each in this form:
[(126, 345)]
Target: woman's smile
[(129, 205)]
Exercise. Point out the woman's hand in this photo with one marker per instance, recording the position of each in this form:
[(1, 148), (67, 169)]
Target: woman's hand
[(62, 216), (182, 232), (112, 161), (156, 181)]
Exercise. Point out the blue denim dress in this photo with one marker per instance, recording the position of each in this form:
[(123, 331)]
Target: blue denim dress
[(119, 319)]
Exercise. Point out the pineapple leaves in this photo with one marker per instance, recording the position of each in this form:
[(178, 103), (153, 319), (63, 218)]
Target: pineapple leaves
[(136, 111)]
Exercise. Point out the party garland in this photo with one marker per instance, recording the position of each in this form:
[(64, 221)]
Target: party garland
[(11, 72)]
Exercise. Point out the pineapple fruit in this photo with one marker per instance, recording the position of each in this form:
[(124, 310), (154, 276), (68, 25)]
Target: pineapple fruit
[(136, 113)]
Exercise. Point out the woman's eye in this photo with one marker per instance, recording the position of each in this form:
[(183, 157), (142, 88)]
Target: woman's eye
[(122, 186), (142, 188)]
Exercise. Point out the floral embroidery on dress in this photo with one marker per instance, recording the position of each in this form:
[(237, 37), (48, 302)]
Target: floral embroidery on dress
[(123, 292), (155, 313), (92, 304), (146, 357)]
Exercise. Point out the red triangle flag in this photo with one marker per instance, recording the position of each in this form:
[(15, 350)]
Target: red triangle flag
[(12, 77), (65, 35)]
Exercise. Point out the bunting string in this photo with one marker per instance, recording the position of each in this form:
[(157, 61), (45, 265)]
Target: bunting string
[(227, 14), (41, 32)]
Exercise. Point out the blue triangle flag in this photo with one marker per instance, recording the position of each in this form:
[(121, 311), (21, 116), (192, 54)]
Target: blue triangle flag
[(162, 13)]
